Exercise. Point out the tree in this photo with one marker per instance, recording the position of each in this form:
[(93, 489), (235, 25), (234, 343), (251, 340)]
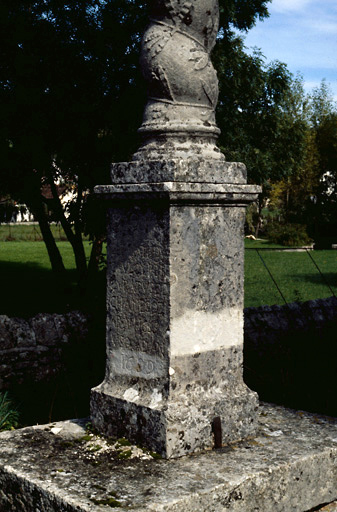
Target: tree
[(321, 104), (308, 196), (72, 98), (291, 196), (261, 115), (68, 82), (322, 212)]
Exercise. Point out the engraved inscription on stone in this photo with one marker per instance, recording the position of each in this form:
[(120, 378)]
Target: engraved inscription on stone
[(137, 364)]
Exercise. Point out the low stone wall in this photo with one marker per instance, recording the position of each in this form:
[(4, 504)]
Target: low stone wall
[(33, 349), (290, 354), (50, 362), (290, 357)]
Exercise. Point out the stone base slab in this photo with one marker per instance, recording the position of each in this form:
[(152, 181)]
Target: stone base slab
[(289, 466), (177, 427)]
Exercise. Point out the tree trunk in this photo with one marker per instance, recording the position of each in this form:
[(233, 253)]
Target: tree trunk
[(259, 218), (75, 239), (95, 255), (48, 238)]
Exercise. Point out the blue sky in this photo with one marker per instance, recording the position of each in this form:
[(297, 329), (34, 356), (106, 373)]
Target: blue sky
[(303, 34)]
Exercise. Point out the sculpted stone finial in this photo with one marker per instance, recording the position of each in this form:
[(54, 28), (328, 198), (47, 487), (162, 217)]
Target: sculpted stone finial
[(179, 117)]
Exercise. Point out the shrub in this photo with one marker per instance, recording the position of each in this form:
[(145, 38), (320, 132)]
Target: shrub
[(8, 414), (293, 235)]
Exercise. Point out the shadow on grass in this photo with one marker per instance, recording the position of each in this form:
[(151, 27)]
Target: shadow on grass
[(29, 289), (328, 279)]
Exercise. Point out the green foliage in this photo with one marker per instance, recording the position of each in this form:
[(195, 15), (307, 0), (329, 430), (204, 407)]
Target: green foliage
[(251, 218), (125, 454), (72, 99), (123, 442), (9, 415), (262, 114), (71, 70), (259, 113), (308, 195), (321, 104), (289, 235)]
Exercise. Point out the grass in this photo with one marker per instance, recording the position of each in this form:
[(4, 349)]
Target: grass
[(28, 286), (8, 414), (28, 233), (36, 253), (261, 244), (294, 272)]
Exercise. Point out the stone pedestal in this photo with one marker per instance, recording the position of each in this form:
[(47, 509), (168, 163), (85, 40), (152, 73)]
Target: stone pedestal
[(175, 307)]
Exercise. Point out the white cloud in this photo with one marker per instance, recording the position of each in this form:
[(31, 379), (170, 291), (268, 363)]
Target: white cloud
[(289, 5), (303, 34), (324, 25)]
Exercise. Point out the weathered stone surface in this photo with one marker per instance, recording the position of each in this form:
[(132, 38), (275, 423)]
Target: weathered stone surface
[(179, 192), (21, 332), (289, 466), (180, 422), (49, 329), (175, 256), (188, 168), (179, 117), (31, 350), (175, 316), (6, 339)]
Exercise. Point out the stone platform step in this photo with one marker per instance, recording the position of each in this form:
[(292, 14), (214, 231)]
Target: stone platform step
[(289, 466)]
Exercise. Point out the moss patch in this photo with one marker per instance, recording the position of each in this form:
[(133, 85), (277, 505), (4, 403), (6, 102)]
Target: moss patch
[(111, 502), (126, 454), (123, 442)]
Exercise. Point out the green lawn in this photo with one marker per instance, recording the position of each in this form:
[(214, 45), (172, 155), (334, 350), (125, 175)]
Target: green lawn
[(295, 274), (28, 286), (261, 244), (28, 233)]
